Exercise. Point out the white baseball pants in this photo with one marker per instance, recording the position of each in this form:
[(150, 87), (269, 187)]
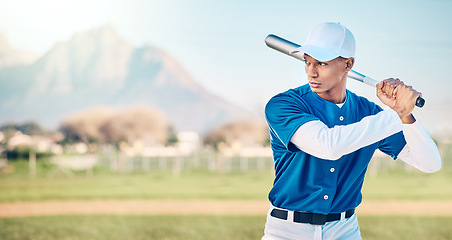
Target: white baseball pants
[(288, 230)]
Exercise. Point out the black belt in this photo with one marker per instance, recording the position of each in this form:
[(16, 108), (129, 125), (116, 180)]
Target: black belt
[(312, 218)]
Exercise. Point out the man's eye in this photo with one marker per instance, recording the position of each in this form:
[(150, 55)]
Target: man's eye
[(321, 64)]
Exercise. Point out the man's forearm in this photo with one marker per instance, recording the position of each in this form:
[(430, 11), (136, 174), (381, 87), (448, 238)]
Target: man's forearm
[(320, 141)]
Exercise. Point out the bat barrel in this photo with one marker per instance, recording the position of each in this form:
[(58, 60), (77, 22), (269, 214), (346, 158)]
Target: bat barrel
[(282, 45)]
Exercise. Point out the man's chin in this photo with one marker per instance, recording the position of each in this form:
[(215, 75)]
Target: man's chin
[(316, 89)]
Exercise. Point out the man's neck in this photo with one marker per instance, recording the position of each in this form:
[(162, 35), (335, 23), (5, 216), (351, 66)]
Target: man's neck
[(336, 98)]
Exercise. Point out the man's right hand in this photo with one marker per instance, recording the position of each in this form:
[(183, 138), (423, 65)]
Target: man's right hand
[(399, 97)]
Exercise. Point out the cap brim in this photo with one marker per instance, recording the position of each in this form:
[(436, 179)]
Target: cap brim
[(318, 53)]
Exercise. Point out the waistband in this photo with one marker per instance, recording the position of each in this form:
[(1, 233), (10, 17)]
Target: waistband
[(307, 217)]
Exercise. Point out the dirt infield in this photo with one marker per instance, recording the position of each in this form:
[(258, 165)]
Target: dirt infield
[(204, 207)]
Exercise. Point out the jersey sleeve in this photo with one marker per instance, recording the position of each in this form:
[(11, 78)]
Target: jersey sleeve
[(284, 116), (318, 140), (420, 150), (393, 145)]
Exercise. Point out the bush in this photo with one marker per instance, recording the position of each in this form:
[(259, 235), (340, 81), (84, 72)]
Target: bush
[(24, 153)]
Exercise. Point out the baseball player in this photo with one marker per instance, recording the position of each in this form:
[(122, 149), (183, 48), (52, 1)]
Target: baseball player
[(323, 137)]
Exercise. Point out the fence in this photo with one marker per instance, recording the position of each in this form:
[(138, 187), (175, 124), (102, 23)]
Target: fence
[(254, 159), (206, 159), (247, 159)]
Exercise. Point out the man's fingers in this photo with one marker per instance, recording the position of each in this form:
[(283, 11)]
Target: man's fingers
[(406, 95), (398, 96), (394, 93), (418, 94), (389, 86)]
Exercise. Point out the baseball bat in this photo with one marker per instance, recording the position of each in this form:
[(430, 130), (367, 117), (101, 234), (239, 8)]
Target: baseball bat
[(285, 46)]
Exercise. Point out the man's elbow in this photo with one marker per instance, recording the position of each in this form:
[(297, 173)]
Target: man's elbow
[(433, 167), (331, 154)]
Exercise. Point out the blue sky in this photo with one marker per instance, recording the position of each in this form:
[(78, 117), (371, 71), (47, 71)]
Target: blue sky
[(221, 43)]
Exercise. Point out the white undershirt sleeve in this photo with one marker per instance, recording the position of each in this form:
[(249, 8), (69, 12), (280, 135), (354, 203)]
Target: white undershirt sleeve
[(420, 151), (320, 141)]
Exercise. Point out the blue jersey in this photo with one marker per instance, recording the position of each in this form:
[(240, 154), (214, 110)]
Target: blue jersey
[(307, 183)]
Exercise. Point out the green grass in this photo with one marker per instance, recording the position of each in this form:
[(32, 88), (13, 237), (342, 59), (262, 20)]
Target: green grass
[(201, 184), (198, 184), (201, 227), (405, 228), (132, 227), (403, 185)]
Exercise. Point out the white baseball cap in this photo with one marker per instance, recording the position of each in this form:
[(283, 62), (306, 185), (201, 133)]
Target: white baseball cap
[(328, 41)]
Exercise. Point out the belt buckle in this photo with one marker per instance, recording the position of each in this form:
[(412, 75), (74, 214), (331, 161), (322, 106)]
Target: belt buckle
[(318, 219), (281, 214)]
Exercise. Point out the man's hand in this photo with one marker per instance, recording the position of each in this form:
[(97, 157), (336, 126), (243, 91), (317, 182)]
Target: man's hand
[(398, 96)]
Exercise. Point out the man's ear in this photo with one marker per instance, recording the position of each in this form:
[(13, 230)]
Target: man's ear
[(349, 62)]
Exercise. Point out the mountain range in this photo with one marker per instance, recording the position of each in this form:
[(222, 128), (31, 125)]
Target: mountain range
[(99, 67)]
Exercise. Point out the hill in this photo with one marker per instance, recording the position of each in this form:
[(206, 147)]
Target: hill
[(99, 67)]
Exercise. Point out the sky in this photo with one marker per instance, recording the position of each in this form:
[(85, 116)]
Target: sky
[(221, 43)]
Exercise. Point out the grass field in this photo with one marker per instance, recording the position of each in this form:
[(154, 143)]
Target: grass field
[(154, 185), (202, 184), (201, 227)]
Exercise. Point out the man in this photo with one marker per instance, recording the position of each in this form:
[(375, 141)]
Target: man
[(323, 137)]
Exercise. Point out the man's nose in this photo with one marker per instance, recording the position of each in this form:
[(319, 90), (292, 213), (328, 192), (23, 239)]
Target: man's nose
[(311, 71)]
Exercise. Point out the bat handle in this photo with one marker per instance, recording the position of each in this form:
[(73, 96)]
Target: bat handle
[(420, 102), (372, 82)]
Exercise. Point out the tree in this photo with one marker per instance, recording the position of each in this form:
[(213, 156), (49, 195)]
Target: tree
[(108, 125), (28, 128), (137, 123), (248, 133), (85, 126)]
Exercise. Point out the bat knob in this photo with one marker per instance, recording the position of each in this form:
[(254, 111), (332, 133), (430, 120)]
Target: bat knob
[(420, 102)]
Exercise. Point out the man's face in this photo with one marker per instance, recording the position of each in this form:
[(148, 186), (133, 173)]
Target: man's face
[(328, 79)]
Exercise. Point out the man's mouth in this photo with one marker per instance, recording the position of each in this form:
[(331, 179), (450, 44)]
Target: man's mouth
[(314, 84)]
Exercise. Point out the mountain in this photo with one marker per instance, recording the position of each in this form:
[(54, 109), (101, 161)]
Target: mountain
[(99, 67)]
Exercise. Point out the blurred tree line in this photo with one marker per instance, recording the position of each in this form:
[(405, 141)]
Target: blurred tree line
[(109, 125), (10, 129), (29, 128), (113, 126), (248, 133)]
